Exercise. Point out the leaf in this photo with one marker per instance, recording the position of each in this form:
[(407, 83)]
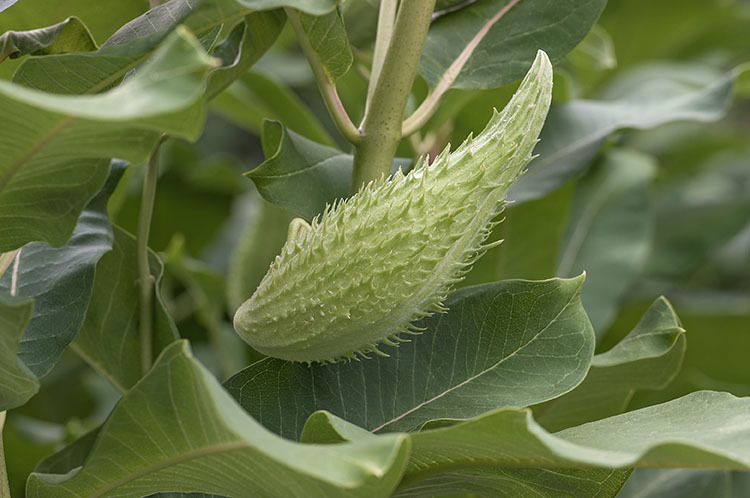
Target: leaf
[(263, 233), (109, 338), (510, 343), (178, 430), (609, 231), (301, 175), (60, 281), (49, 143), (648, 358), (596, 51), (706, 429), (647, 97), (500, 37), (257, 96), (686, 483), (329, 41), (70, 35), (17, 383), (4, 4)]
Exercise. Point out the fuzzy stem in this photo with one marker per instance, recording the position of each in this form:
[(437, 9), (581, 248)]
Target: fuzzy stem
[(4, 484), (145, 279), (327, 89), (430, 104), (386, 19), (381, 128)]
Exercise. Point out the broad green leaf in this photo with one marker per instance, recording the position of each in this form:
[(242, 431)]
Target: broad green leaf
[(17, 382), (70, 35), (301, 175), (649, 96), (178, 430), (109, 338), (263, 233), (649, 357), (49, 144), (512, 343), (324, 428), (706, 429), (686, 483), (498, 38), (329, 41), (60, 281), (609, 230), (257, 96)]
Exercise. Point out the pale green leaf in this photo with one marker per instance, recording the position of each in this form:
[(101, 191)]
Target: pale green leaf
[(329, 42), (178, 430), (609, 230), (70, 35), (49, 143), (649, 357), (686, 483), (512, 343), (17, 383)]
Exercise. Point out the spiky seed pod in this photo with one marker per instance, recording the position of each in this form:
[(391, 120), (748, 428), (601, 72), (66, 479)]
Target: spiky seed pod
[(373, 264)]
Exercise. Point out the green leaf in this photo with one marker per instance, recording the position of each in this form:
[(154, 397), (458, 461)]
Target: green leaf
[(500, 37), (263, 233), (705, 429), (109, 338), (70, 35), (609, 230), (686, 483), (257, 96), (649, 357), (48, 143), (17, 383), (512, 343), (330, 43), (301, 175), (647, 97), (60, 281), (178, 430), (596, 51)]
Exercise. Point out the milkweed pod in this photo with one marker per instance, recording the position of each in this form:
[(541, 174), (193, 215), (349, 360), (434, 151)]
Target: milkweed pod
[(376, 262)]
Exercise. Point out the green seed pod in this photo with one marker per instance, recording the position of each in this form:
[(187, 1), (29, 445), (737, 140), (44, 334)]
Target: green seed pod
[(374, 263)]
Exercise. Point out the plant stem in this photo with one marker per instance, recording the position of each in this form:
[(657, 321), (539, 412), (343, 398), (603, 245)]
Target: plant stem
[(381, 128), (6, 259), (327, 88), (4, 484), (145, 279), (430, 104), (14, 275), (386, 19)]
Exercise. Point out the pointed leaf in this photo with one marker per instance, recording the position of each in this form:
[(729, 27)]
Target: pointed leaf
[(512, 343), (327, 36), (647, 97), (301, 175), (109, 338), (608, 232), (48, 142), (649, 357), (70, 35), (178, 430), (498, 38), (60, 281)]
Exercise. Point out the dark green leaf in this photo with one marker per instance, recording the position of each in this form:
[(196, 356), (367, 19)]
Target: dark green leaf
[(17, 382), (505, 42), (512, 343), (178, 430), (70, 35), (60, 281), (648, 358), (49, 143), (109, 338), (301, 175), (609, 231), (330, 43), (645, 98)]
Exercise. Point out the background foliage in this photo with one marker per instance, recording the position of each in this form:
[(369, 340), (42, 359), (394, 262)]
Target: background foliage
[(643, 182)]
